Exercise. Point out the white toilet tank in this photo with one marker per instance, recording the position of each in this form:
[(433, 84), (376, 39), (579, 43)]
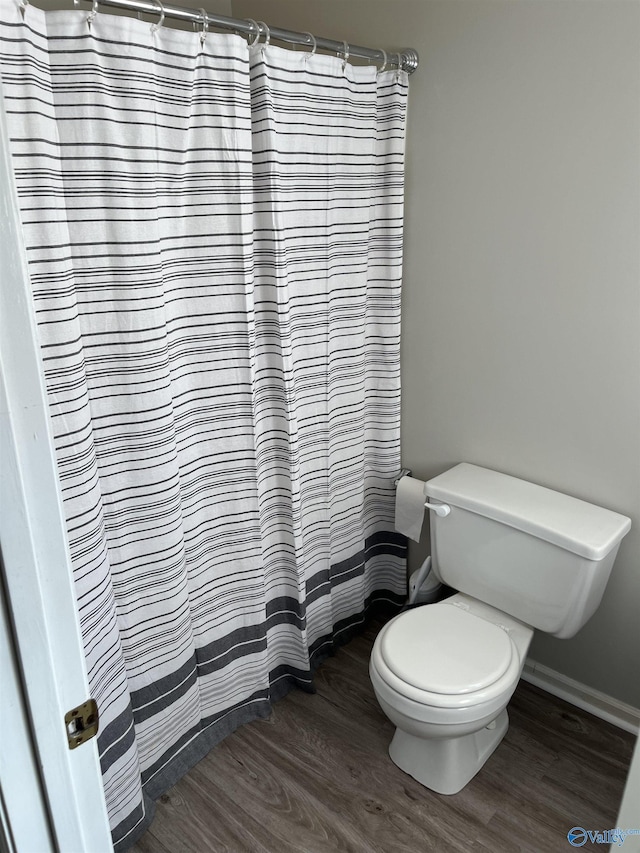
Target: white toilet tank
[(536, 554)]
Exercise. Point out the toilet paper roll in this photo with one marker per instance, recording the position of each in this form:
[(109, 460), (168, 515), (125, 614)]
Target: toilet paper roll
[(410, 507)]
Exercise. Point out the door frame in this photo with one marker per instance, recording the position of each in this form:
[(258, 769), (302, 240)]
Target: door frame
[(42, 614)]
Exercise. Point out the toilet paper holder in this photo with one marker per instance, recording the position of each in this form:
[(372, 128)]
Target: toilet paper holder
[(441, 510), (405, 472)]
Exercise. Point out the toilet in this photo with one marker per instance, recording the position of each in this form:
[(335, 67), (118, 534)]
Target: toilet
[(521, 557)]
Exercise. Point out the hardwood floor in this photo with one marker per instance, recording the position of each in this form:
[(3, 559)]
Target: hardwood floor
[(316, 778)]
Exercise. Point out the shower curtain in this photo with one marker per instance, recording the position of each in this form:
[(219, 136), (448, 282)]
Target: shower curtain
[(214, 238)]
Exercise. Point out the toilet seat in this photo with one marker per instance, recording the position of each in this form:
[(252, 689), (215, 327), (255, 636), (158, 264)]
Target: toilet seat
[(443, 656)]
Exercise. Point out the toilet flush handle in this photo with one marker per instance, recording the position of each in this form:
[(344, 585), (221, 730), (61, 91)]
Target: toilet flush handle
[(439, 509)]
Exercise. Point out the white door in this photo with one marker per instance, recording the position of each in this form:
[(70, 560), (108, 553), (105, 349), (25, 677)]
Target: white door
[(50, 678)]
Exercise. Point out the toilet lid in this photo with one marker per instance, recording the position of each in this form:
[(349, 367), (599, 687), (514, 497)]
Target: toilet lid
[(441, 648)]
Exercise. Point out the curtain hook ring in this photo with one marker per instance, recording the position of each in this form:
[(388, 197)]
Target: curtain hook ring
[(205, 25), (155, 27), (385, 58), (93, 12), (254, 26), (313, 41), (267, 33), (399, 68), (345, 54)]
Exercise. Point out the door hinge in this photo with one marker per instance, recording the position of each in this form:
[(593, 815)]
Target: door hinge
[(81, 723)]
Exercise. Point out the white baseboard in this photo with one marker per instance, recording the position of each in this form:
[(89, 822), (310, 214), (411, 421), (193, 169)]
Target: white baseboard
[(599, 704)]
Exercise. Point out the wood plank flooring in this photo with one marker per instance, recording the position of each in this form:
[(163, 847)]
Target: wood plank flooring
[(316, 778)]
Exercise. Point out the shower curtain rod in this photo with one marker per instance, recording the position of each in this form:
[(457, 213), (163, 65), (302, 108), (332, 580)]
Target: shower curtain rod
[(407, 59)]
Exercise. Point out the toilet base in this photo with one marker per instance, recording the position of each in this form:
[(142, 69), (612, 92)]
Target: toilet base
[(445, 765)]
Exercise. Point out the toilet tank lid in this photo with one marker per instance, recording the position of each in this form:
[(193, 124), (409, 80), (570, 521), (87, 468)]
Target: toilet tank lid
[(583, 528)]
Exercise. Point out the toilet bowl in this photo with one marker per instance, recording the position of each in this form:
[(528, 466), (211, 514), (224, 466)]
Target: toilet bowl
[(443, 674)]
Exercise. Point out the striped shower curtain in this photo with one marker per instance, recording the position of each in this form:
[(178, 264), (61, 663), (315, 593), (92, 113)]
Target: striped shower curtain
[(214, 239)]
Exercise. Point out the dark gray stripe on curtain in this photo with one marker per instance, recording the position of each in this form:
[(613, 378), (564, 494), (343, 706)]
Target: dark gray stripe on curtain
[(134, 825), (381, 603), (116, 738), (385, 542), (155, 697)]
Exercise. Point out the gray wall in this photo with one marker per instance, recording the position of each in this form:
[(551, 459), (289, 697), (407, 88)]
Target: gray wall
[(521, 317)]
